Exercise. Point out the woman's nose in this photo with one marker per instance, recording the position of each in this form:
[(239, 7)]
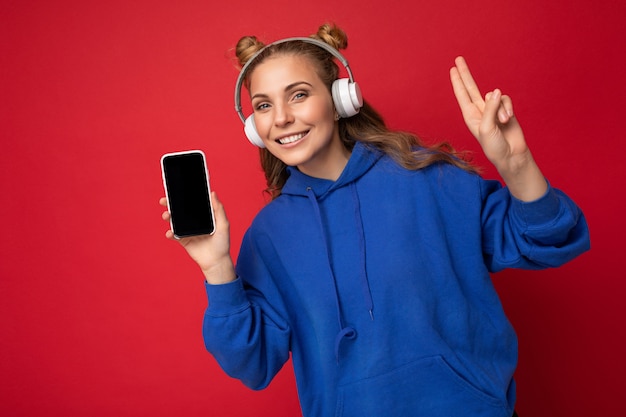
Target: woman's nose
[(283, 115)]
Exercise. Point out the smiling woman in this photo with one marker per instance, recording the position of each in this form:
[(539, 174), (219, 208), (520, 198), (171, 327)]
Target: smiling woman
[(371, 264), (99, 315)]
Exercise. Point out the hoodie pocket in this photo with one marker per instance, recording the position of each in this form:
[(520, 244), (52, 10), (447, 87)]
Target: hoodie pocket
[(427, 387)]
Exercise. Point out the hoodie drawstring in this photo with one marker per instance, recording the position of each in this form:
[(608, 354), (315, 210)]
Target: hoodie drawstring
[(345, 331), (365, 286)]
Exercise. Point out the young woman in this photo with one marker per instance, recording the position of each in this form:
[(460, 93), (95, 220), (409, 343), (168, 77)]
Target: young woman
[(371, 263)]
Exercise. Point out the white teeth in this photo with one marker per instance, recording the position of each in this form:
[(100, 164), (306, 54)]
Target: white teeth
[(291, 139)]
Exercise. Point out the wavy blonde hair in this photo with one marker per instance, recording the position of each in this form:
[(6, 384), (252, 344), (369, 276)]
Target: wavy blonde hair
[(367, 126)]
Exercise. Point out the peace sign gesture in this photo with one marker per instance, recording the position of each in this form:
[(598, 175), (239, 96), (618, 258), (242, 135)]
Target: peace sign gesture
[(493, 124)]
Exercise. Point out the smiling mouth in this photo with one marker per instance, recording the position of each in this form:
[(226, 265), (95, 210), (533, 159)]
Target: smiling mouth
[(292, 138)]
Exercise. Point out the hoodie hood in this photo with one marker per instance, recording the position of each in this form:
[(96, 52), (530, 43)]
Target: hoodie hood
[(363, 158)]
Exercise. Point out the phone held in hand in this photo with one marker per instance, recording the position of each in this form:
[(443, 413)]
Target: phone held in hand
[(186, 183)]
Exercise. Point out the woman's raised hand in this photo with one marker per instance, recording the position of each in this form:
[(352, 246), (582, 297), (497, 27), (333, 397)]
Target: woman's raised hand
[(210, 252), (493, 124)]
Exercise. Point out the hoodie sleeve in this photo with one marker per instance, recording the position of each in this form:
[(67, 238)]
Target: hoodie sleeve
[(246, 334), (544, 233)]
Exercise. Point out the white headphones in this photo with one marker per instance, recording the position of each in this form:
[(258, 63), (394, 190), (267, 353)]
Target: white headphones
[(345, 91)]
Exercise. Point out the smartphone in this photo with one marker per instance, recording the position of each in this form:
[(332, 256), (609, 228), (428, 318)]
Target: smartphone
[(186, 183)]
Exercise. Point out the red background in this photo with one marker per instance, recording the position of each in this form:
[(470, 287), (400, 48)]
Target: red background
[(100, 315)]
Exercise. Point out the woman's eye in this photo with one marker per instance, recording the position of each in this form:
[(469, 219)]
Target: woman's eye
[(261, 106), (299, 95)]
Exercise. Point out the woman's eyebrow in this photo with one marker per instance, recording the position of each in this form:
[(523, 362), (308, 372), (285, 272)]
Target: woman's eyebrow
[(297, 84)]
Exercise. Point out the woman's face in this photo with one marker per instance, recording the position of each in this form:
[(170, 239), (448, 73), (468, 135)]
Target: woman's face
[(295, 116)]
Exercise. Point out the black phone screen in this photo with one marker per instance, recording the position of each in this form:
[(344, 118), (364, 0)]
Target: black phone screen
[(188, 195)]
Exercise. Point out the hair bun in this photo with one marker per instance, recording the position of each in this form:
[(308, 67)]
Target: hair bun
[(246, 48), (332, 35)]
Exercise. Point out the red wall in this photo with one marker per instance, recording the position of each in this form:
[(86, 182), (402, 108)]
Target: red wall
[(100, 315)]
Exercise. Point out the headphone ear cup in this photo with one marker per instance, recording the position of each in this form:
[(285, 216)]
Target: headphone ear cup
[(251, 133), (347, 97)]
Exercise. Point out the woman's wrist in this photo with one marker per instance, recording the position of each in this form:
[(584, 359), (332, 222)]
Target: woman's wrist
[(524, 179), (220, 272)]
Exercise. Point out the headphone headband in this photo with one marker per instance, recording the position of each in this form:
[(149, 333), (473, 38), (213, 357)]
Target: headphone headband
[(242, 74)]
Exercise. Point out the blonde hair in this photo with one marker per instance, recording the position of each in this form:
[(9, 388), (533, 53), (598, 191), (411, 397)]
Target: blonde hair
[(367, 126)]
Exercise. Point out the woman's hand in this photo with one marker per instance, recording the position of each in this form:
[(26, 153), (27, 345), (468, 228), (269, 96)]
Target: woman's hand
[(210, 252), (493, 124)]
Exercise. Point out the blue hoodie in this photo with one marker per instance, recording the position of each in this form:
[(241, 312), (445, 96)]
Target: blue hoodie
[(379, 286)]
